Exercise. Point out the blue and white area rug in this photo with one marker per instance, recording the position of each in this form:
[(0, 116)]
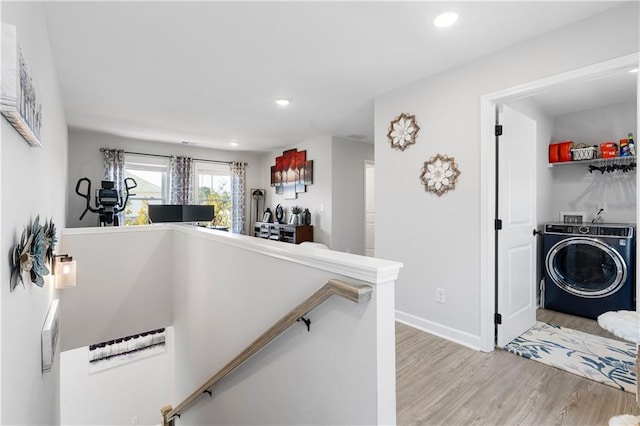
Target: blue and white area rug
[(607, 361)]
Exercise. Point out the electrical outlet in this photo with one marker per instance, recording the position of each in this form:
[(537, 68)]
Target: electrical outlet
[(602, 208), (441, 295)]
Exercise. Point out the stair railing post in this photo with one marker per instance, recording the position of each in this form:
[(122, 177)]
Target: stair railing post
[(166, 410)]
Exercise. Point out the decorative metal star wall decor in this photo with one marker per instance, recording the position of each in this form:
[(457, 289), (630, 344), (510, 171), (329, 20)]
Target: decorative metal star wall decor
[(403, 131), (440, 174)]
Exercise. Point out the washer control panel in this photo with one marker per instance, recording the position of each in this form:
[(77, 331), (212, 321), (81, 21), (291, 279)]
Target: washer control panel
[(609, 230)]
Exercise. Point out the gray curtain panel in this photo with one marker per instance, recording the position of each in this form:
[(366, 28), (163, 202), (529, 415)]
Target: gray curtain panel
[(180, 180), (113, 160), (238, 189)]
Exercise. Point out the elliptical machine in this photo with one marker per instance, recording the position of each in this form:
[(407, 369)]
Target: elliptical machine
[(108, 200)]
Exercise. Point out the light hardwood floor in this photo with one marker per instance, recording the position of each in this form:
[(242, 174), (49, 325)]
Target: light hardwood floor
[(443, 383), (577, 323)]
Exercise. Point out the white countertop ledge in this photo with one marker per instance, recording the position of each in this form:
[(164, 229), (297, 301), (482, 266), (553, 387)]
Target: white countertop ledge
[(368, 269)]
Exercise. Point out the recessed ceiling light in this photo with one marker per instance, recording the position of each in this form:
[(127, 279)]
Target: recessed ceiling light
[(234, 143), (634, 70), (445, 19), (283, 102)]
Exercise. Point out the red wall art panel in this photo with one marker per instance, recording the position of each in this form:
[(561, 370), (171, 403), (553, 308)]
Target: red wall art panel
[(292, 173)]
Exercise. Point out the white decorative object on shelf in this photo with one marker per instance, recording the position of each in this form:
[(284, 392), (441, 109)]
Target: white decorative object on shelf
[(18, 102)]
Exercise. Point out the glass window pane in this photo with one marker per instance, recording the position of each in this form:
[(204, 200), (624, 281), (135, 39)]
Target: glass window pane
[(150, 174), (214, 188)]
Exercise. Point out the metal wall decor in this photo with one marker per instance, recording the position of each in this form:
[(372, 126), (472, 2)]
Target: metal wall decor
[(33, 253), (440, 174), (403, 131)]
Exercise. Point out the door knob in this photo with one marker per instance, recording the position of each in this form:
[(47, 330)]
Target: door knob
[(536, 232)]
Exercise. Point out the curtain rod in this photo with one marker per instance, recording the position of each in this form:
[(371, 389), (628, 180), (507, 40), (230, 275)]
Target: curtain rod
[(169, 156)]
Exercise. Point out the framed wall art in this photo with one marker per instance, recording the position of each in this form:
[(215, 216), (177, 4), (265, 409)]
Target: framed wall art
[(292, 173), (19, 103)]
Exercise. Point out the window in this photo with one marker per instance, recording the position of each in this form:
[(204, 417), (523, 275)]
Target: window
[(212, 186), (150, 173)]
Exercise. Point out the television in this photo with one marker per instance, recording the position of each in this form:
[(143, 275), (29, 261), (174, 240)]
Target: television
[(196, 213), (160, 213)]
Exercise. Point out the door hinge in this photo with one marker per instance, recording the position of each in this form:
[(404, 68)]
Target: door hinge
[(497, 318), (497, 224), (498, 129)]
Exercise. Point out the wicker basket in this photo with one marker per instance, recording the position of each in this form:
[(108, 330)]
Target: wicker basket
[(588, 153)]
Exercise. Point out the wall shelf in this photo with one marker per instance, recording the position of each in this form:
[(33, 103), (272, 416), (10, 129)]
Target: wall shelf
[(599, 161), (15, 119)]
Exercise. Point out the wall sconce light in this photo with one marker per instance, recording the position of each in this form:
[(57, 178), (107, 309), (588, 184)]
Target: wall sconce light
[(64, 271)]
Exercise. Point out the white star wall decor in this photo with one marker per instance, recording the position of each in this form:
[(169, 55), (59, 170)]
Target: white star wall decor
[(403, 131), (439, 174)]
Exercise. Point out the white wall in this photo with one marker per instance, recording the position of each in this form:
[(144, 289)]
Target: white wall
[(85, 160), (318, 196), (440, 242), (336, 198), (370, 209), (341, 372), (348, 194), (123, 283), (575, 189), (225, 290), (34, 182), (116, 395)]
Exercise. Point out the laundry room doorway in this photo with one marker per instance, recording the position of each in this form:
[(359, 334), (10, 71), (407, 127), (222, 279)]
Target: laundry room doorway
[(508, 291)]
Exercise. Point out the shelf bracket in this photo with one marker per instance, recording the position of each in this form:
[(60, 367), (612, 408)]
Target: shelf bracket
[(306, 321)]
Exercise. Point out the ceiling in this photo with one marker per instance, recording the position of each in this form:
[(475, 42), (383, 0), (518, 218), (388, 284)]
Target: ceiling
[(208, 73), (610, 88)]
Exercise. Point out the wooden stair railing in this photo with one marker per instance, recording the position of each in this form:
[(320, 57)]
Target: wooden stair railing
[(356, 293)]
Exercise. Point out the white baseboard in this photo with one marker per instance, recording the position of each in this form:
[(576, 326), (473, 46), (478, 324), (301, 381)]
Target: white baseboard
[(463, 338)]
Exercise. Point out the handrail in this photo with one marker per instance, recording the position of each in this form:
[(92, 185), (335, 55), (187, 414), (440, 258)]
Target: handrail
[(356, 293)]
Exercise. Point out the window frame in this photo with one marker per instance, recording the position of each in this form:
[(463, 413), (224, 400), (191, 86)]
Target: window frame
[(211, 168), (149, 163)]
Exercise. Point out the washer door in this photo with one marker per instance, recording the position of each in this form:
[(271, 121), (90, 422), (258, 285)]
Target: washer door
[(586, 267)]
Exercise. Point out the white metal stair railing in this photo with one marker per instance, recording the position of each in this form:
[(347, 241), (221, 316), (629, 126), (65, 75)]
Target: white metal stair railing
[(356, 293)]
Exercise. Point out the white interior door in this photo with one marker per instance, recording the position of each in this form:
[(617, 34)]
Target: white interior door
[(517, 210), (370, 212)]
